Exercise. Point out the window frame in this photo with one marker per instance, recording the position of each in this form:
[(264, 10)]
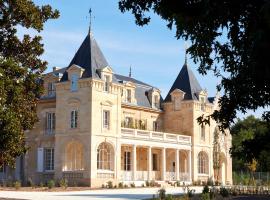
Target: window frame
[(107, 83), (129, 96), (74, 119), (155, 126), (105, 157), (50, 123), (74, 82), (155, 162), (203, 163), (51, 89), (106, 119), (48, 159), (202, 132), (127, 161)]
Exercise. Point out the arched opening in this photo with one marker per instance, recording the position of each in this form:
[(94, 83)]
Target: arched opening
[(105, 157), (203, 163), (74, 159)]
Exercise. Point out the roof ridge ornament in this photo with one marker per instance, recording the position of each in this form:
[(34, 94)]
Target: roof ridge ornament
[(90, 20), (129, 75), (186, 47)]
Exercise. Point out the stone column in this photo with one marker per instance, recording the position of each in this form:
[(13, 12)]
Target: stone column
[(189, 166), (177, 164), (134, 162), (164, 164), (149, 163)]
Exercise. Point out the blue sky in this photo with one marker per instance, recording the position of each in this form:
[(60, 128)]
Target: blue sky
[(153, 52)]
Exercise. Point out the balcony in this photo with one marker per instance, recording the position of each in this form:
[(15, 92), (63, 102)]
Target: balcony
[(155, 136)]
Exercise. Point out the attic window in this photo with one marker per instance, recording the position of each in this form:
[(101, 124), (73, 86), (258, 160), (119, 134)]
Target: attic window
[(74, 82), (107, 83), (202, 100), (51, 89), (156, 101), (128, 95)]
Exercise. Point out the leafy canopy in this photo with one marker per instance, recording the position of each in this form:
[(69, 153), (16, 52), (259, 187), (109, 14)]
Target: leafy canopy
[(20, 70), (251, 144), (229, 37)]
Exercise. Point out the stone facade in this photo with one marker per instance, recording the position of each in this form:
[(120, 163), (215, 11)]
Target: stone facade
[(96, 126)]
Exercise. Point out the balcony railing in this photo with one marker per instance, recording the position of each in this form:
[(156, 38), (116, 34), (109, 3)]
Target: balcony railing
[(158, 136)]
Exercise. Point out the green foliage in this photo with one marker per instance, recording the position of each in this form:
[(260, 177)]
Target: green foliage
[(251, 140), (229, 38), (169, 197), (205, 196), (63, 183), (51, 184), (110, 184), (132, 185), (205, 189), (21, 69), (17, 185), (30, 183), (162, 193), (147, 184), (224, 192), (120, 185)]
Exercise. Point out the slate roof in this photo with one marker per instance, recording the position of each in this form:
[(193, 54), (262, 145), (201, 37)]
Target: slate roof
[(211, 99), (89, 57), (187, 82), (141, 90)]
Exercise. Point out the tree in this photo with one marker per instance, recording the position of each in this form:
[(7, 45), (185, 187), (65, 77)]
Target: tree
[(250, 143), (230, 38), (21, 69)]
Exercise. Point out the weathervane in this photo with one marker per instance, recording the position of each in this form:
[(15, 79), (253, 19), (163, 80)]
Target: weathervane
[(90, 21), (129, 71), (186, 47)]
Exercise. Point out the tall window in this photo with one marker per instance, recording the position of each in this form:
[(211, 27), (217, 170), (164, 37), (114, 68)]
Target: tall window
[(74, 159), (155, 161), (202, 104), (49, 159), (128, 95), (74, 82), (74, 119), (107, 83), (156, 101), (50, 123), (202, 128), (127, 161), (105, 156), (106, 119), (202, 163), (155, 126), (51, 89)]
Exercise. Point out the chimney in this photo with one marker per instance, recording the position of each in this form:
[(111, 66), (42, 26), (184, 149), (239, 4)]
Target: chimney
[(55, 68)]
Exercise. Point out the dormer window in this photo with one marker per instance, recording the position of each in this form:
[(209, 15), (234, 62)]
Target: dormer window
[(128, 95), (74, 83), (107, 83), (51, 89), (156, 101), (202, 100)]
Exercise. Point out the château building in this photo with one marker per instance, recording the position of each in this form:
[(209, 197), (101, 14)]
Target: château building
[(97, 126)]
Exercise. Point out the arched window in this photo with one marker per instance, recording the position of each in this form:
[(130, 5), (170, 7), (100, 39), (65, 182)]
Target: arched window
[(105, 156), (202, 163), (74, 159)]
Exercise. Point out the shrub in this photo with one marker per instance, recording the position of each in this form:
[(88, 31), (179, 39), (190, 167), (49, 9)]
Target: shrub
[(63, 183), (142, 185), (125, 186), (205, 189), (147, 183), (41, 184), (30, 183), (17, 185), (102, 186), (110, 184), (178, 183), (210, 182), (162, 193), (190, 192), (152, 183), (205, 196), (224, 192), (169, 197), (115, 186), (132, 185), (51, 184), (120, 185)]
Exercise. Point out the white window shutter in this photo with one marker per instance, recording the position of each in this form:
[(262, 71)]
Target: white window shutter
[(40, 155)]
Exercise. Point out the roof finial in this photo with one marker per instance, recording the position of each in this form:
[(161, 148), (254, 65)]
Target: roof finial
[(90, 21), (186, 53), (129, 71)]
